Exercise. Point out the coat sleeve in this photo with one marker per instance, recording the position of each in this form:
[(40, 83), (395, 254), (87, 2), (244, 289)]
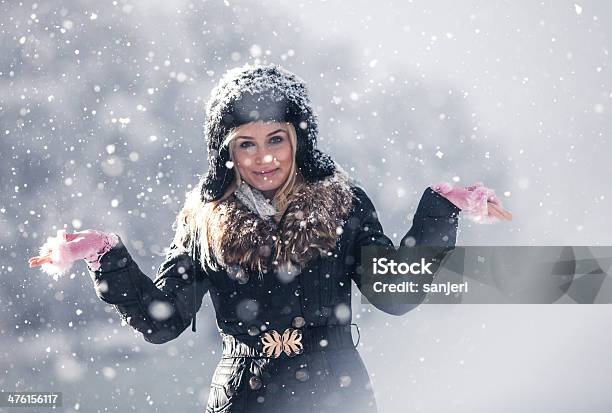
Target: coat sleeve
[(434, 225), (160, 309)]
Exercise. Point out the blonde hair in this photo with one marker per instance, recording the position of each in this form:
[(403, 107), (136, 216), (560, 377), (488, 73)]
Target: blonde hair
[(192, 223)]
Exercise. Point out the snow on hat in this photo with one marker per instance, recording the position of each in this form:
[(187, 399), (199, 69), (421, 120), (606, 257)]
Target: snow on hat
[(259, 92)]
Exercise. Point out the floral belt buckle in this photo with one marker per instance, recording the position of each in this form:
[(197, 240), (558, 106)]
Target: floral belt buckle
[(290, 343)]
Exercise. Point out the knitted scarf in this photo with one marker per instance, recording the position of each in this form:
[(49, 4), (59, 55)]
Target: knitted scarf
[(254, 199)]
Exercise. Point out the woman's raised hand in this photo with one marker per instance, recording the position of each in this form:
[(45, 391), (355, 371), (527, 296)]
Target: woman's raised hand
[(58, 253), (477, 202)]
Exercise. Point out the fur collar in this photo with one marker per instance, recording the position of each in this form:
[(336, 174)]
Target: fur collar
[(309, 227)]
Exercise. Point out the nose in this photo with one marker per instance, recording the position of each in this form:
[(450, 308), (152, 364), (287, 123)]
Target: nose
[(263, 158)]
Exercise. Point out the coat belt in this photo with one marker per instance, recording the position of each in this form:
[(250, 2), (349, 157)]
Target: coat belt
[(289, 342)]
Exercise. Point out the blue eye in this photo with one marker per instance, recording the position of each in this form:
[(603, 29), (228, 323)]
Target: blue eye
[(245, 144), (276, 139)]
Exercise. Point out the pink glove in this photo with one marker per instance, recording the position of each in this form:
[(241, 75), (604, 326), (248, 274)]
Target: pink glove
[(58, 253), (472, 200)]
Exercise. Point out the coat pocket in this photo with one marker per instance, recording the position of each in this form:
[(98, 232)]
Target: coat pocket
[(347, 367), (227, 389)]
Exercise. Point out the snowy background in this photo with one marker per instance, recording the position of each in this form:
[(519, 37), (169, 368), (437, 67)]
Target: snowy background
[(101, 127)]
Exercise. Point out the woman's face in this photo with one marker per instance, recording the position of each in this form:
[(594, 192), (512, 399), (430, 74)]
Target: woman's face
[(262, 153)]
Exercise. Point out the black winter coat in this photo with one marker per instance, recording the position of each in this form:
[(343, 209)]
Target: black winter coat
[(329, 375)]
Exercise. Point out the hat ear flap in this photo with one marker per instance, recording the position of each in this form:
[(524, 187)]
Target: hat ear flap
[(220, 175), (316, 165)]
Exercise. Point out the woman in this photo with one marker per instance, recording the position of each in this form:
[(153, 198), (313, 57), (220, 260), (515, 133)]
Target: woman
[(274, 233)]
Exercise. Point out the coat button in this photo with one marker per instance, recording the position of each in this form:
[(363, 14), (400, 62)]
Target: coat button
[(242, 277), (298, 322), (253, 330), (302, 375), (255, 383)]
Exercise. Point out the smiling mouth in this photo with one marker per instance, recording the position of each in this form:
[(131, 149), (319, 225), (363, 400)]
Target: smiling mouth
[(266, 173)]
